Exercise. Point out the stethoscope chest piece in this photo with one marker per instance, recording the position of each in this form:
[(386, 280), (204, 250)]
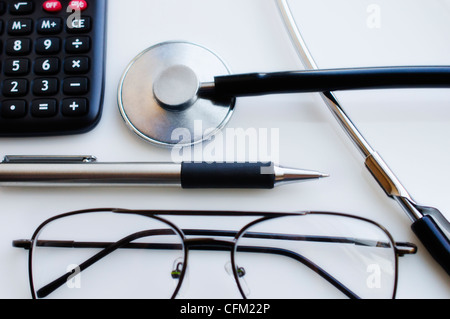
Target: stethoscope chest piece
[(158, 94)]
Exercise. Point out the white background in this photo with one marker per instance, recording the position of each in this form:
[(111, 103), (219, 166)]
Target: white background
[(410, 129)]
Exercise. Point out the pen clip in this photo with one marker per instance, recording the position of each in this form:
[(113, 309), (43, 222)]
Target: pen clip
[(45, 159)]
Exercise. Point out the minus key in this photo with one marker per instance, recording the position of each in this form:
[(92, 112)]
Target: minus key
[(76, 86)]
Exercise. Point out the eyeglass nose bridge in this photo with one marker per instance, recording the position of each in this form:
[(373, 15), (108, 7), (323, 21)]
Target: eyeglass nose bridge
[(214, 244), (209, 244)]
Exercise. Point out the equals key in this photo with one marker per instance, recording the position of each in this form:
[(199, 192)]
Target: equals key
[(43, 108)]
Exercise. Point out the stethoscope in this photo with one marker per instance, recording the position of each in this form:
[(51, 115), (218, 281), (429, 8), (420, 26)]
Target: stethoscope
[(173, 85)]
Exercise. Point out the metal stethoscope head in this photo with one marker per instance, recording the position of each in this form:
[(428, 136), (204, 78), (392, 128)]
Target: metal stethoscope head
[(173, 85), (158, 94)]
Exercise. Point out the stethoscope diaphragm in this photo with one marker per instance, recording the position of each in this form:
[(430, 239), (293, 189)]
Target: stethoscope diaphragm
[(158, 94)]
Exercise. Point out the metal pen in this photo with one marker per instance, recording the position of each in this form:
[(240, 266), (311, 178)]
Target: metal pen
[(87, 171)]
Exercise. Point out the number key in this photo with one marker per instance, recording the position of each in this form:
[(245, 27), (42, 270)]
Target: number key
[(17, 67), (15, 87), (18, 46), (46, 66), (48, 45), (45, 86)]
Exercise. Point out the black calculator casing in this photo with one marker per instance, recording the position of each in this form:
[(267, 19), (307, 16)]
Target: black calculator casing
[(69, 99)]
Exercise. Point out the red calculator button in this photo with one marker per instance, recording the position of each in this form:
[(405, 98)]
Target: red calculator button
[(52, 6), (78, 5)]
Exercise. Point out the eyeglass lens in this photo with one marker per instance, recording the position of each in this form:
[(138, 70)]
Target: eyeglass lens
[(315, 256), (107, 255)]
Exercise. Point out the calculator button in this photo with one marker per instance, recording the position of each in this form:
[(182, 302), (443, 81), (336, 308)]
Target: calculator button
[(14, 109), (45, 86), (74, 107), (2, 8), (20, 26), (78, 5), (52, 6), (49, 25), (76, 65), (15, 87), (46, 66), (79, 25), (21, 7), (75, 86), (44, 108), (78, 44), (18, 46), (15, 67), (48, 45)]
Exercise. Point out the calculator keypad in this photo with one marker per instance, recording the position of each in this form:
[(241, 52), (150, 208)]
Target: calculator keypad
[(51, 68)]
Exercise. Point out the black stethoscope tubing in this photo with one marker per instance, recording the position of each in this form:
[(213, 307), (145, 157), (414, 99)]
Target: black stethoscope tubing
[(407, 77)]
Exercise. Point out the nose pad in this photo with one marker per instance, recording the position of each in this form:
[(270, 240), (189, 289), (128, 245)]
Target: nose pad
[(241, 272), (177, 268)]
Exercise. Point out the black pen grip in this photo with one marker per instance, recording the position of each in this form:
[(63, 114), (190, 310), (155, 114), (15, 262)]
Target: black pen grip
[(227, 175), (434, 240)]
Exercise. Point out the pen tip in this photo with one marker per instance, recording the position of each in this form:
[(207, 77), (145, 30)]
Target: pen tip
[(288, 175)]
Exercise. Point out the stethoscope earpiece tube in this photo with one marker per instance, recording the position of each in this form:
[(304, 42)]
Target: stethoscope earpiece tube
[(434, 240), (332, 80)]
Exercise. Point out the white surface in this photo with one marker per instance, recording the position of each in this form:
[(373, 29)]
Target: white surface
[(410, 129)]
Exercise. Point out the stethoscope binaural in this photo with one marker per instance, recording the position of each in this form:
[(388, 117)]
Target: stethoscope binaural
[(175, 85)]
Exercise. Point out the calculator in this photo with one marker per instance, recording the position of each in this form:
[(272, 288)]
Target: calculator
[(52, 66)]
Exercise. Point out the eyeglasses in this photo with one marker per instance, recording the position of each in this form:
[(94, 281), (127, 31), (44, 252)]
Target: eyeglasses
[(117, 253)]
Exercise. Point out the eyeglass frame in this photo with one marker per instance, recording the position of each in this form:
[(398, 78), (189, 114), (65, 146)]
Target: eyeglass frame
[(400, 248)]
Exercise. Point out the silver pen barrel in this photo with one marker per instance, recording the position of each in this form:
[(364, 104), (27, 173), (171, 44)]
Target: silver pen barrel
[(88, 174)]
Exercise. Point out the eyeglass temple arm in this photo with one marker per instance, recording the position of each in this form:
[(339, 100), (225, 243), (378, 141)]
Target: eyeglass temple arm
[(403, 248)]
